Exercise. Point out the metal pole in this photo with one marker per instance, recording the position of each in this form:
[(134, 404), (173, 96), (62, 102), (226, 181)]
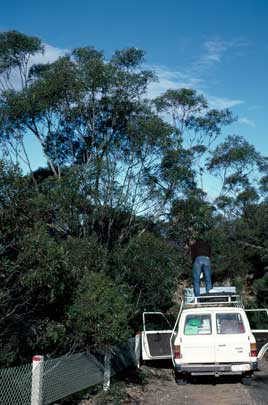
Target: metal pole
[(137, 349), (107, 371)]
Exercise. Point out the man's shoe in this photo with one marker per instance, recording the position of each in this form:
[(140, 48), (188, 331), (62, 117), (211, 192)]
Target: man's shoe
[(212, 291)]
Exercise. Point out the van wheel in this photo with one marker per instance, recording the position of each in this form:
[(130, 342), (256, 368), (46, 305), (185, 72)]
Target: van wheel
[(180, 379), (246, 380)]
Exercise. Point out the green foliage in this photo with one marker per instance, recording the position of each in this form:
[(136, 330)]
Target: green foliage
[(192, 216), (151, 277), (234, 161), (46, 266), (15, 50), (189, 110), (84, 255), (100, 311), (234, 153), (129, 58), (51, 335), (261, 289), (89, 111), (102, 233), (183, 98)]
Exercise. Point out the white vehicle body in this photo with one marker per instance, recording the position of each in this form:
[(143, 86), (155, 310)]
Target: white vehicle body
[(212, 336), (211, 350)]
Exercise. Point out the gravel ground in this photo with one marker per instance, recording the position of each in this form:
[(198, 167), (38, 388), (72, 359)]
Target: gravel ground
[(161, 389), (259, 388)]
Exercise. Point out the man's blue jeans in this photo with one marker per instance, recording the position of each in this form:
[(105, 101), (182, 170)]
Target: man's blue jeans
[(201, 264)]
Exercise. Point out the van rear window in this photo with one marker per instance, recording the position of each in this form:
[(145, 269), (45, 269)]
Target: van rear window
[(197, 325), (229, 323)]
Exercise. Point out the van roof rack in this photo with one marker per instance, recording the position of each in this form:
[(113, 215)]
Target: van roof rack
[(213, 300)]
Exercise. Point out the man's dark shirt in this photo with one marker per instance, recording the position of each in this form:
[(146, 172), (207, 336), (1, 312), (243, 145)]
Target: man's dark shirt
[(200, 248)]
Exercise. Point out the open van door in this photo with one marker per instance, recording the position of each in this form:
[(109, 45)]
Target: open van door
[(156, 336), (258, 320)]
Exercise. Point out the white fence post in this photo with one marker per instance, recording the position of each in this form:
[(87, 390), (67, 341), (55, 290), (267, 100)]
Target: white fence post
[(37, 380), (107, 371), (137, 349)]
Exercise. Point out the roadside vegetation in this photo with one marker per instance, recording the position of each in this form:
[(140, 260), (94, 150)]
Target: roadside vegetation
[(100, 234)]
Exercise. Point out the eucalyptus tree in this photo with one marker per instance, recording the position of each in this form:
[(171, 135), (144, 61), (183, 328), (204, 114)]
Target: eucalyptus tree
[(16, 51), (90, 115), (238, 166), (92, 119), (197, 125)]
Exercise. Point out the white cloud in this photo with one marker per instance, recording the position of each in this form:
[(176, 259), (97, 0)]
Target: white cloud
[(168, 79), (51, 53), (222, 102), (246, 121), (213, 52), (193, 76)]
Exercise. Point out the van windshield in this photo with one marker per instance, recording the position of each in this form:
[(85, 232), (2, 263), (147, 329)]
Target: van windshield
[(229, 323), (197, 324)]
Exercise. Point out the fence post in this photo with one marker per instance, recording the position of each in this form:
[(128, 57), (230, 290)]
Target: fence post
[(37, 380), (107, 370), (137, 349)]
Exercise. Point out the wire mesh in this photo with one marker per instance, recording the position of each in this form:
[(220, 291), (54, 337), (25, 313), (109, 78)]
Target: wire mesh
[(66, 375), (15, 385), (123, 357), (60, 377)]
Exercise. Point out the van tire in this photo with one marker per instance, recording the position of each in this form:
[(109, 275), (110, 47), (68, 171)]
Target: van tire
[(246, 380), (180, 379)]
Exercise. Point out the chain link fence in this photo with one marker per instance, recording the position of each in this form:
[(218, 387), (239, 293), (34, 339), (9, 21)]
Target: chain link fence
[(15, 385), (124, 357), (66, 375), (44, 382)]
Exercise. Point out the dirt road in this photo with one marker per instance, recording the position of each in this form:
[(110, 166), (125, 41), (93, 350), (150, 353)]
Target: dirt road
[(162, 390)]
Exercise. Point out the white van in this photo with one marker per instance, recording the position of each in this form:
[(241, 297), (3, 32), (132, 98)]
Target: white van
[(212, 336)]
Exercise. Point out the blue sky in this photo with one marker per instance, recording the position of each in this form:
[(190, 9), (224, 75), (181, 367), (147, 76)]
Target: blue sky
[(218, 47)]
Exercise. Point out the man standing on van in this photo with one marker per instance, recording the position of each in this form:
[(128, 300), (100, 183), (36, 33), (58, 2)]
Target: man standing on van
[(201, 254)]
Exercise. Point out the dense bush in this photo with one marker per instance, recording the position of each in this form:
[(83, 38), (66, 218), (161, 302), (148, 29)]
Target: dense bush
[(102, 233)]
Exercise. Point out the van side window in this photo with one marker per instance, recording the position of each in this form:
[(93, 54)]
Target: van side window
[(197, 325), (229, 323)]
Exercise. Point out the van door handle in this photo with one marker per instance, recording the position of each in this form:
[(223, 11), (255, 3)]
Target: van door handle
[(221, 345)]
